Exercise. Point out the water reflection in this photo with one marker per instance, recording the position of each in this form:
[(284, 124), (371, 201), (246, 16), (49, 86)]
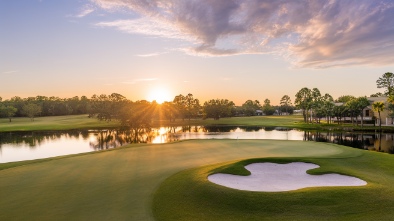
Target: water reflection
[(32, 145)]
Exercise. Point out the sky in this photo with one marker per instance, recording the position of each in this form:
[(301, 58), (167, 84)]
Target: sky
[(226, 49)]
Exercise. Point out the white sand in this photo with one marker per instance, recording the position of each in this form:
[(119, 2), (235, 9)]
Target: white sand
[(272, 177)]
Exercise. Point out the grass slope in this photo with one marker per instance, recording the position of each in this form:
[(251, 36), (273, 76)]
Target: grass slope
[(188, 195), (54, 123), (119, 184)]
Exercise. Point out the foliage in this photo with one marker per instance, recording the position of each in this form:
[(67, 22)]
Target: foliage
[(217, 108), (303, 101), (186, 106), (31, 110), (362, 103), (8, 111), (168, 111), (378, 106), (378, 94), (51, 106), (249, 107), (285, 103), (345, 98), (267, 108), (137, 116), (386, 82), (107, 107)]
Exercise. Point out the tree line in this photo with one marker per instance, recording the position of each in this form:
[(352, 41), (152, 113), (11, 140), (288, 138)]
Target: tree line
[(108, 107), (315, 106)]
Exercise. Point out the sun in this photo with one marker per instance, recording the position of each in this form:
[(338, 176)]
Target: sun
[(159, 95)]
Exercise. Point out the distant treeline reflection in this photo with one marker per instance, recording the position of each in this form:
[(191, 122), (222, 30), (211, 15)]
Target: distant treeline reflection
[(106, 139)]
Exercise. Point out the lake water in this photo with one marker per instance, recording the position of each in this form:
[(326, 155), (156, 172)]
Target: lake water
[(17, 146)]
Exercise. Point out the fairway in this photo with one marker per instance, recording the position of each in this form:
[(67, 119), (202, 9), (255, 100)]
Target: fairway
[(120, 184)]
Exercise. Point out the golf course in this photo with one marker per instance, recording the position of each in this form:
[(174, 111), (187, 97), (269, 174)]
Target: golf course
[(169, 182)]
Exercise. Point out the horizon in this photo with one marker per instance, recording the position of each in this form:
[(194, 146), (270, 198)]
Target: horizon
[(239, 51)]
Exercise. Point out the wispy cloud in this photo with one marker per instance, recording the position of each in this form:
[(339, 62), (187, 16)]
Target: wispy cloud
[(84, 11), (10, 72), (317, 34), (151, 54), (146, 26)]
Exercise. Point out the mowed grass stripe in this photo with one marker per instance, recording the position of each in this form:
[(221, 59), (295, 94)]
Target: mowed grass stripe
[(119, 184)]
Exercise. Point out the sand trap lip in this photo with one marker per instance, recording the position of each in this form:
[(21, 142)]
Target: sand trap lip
[(273, 177)]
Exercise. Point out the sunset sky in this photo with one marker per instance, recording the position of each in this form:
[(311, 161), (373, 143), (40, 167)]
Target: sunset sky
[(234, 49)]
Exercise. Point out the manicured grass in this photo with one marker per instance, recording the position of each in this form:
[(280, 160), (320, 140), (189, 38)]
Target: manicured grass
[(83, 122), (54, 123), (120, 184), (266, 121), (188, 195)]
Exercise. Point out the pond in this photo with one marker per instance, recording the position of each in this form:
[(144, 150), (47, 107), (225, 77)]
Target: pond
[(17, 146)]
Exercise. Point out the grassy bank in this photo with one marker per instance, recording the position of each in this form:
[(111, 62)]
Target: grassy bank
[(120, 184), (54, 123), (83, 122), (188, 195)]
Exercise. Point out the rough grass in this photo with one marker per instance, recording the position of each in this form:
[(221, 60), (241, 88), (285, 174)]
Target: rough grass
[(119, 184), (188, 195)]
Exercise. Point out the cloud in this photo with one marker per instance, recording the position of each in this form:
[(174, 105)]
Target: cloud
[(150, 54), (145, 26), (10, 72), (86, 10), (317, 34)]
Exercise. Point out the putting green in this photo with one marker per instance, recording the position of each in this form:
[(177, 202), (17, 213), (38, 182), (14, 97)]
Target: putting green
[(119, 184)]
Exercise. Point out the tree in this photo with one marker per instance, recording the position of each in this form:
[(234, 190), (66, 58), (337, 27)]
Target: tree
[(180, 106), (217, 108), (168, 110), (192, 106), (339, 111), (386, 82), (379, 107), (303, 101), (315, 104), (378, 94), (362, 103), (285, 102), (267, 108), (31, 110), (327, 107), (390, 105), (137, 116), (353, 108), (345, 98), (249, 107), (107, 107), (8, 111)]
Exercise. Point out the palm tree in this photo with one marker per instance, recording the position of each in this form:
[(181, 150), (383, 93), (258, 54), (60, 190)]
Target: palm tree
[(379, 107)]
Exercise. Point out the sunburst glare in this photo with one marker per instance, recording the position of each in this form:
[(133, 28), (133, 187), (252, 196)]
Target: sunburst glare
[(159, 95)]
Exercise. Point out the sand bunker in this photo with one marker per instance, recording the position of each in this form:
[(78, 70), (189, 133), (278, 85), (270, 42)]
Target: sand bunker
[(272, 177)]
